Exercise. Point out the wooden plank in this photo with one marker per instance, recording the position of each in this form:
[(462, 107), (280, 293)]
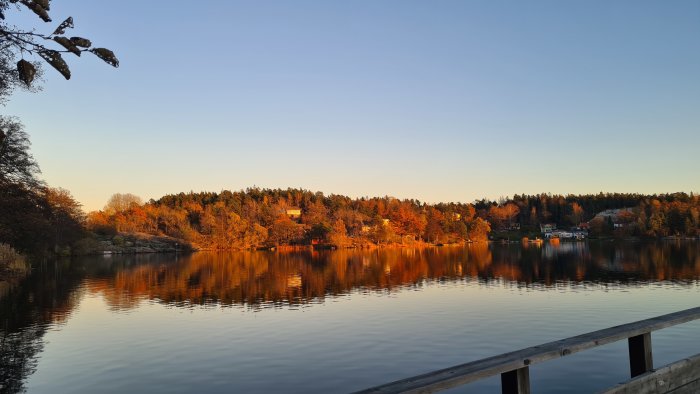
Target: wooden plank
[(475, 370), (690, 388), (516, 382), (640, 354), (679, 377)]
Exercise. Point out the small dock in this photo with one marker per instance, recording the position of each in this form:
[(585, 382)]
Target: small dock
[(680, 377)]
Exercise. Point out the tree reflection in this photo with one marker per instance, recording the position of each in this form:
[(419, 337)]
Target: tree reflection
[(260, 279), (268, 279), (27, 307)]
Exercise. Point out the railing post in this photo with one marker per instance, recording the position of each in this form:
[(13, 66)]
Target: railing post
[(516, 381), (640, 354)]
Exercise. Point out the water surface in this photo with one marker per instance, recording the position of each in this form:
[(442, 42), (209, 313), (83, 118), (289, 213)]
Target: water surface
[(336, 321)]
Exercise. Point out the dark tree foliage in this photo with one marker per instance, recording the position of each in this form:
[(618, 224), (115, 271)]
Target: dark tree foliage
[(17, 165), (33, 217), (26, 46)]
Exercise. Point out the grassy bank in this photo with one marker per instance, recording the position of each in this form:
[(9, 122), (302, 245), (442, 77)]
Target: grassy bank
[(12, 264)]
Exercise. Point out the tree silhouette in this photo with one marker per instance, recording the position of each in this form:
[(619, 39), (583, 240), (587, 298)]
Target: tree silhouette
[(16, 163)]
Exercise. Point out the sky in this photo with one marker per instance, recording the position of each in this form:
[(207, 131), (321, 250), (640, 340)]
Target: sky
[(438, 101)]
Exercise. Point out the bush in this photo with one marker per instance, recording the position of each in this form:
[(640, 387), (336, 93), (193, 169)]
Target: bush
[(12, 261), (87, 246)]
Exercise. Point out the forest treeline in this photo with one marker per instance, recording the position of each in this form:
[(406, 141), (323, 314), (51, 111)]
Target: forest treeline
[(37, 219), (272, 217), (255, 217)]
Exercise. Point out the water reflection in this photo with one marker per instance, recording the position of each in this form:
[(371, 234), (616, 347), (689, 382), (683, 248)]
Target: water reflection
[(260, 279), (26, 310), (256, 280)]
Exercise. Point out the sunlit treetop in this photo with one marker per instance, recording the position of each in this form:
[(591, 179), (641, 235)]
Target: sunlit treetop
[(26, 45)]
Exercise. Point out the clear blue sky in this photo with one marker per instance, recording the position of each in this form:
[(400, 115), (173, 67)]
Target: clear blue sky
[(440, 101)]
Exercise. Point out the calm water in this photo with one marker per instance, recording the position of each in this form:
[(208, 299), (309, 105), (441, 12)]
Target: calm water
[(335, 321)]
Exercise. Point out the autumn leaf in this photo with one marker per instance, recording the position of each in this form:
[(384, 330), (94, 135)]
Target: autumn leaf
[(44, 4), (37, 9), (61, 29), (81, 42), (106, 55), (56, 61), (26, 71), (68, 44)]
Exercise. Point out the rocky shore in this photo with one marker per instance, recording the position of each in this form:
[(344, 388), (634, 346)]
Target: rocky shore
[(130, 243)]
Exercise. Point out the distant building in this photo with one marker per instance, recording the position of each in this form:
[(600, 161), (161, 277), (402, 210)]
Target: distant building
[(562, 234), (514, 226), (385, 222), (547, 228), (293, 213)]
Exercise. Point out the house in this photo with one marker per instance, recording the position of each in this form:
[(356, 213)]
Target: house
[(547, 228), (564, 234), (293, 213), (561, 234)]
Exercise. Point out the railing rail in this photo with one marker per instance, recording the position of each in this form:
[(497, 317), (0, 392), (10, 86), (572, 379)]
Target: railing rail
[(514, 366)]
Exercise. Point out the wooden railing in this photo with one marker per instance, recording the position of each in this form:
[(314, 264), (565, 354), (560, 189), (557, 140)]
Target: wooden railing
[(514, 366)]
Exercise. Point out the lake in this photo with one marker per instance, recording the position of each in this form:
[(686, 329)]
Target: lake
[(336, 321)]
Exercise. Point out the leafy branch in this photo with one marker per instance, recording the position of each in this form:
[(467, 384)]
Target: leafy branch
[(49, 47)]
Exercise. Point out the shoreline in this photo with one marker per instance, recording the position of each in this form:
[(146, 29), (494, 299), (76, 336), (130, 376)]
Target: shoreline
[(168, 245)]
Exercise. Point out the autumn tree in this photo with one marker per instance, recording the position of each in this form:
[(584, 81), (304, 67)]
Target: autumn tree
[(575, 213), (434, 225), (502, 215), (407, 220), (99, 222), (338, 235), (319, 232), (461, 231), (353, 220), (285, 231), (120, 202), (66, 216), (479, 230), (224, 228), (315, 213)]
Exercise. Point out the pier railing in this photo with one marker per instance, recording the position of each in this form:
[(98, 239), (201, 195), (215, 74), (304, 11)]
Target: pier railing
[(514, 366)]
